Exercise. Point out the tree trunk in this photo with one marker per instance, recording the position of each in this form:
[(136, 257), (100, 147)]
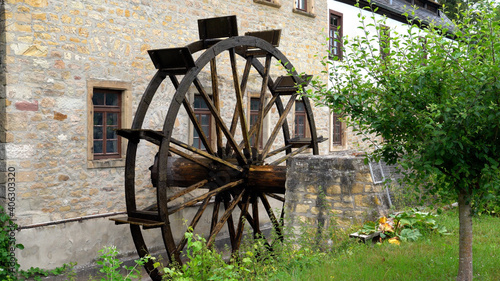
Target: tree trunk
[(465, 240)]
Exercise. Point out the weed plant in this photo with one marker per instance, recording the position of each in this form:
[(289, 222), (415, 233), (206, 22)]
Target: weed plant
[(9, 266), (330, 254)]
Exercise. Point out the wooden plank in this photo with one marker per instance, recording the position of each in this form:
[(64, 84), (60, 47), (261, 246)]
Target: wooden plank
[(205, 154), (189, 157), (223, 219), (255, 214), (262, 96), (195, 200), (137, 221), (215, 213), (220, 122), (230, 222), (244, 81), (280, 122), (272, 195), (281, 149), (187, 190), (241, 222), (239, 101), (270, 213), (193, 223), (286, 157), (216, 99), (192, 117)]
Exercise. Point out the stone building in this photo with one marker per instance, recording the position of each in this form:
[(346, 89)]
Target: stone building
[(57, 56)]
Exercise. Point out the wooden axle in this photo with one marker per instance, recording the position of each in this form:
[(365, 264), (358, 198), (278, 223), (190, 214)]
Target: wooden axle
[(183, 173)]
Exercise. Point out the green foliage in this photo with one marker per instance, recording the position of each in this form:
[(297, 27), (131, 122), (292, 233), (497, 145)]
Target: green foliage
[(208, 264), (257, 259), (36, 273), (8, 261), (9, 266), (111, 266), (431, 257), (438, 113), (406, 226)]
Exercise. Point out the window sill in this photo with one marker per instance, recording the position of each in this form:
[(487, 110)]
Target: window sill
[(304, 13), (273, 3), (106, 163)]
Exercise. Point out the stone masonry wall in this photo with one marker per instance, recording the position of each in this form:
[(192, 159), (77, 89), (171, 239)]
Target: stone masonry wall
[(322, 187), (52, 49)]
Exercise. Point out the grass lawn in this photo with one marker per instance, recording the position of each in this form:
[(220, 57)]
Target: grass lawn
[(432, 257)]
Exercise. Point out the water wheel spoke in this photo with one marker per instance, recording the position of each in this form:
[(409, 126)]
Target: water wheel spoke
[(239, 100), (215, 212), (286, 157), (276, 151), (234, 121), (186, 190), (197, 127), (216, 99), (224, 218), (219, 121), (192, 117), (202, 197), (268, 107), (193, 223), (270, 213), (247, 215), (262, 96), (230, 222), (277, 197), (255, 213), (241, 221), (205, 154), (188, 157), (278, 125)]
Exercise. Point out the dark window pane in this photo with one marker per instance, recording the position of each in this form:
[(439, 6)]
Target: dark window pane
[(253, 119), (205, 119), (112, 119), (112, 99), (254, 104), (98, 133), (98, 98), (199, 102), (299, 106), (112, 146), (98, 118), (97, 146), (300, 121), (111, 133)]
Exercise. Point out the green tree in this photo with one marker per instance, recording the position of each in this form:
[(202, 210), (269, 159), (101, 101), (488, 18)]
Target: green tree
[(455, 8), (433, 104)]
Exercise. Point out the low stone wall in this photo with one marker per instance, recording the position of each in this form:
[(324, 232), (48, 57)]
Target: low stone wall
[(319, 188)]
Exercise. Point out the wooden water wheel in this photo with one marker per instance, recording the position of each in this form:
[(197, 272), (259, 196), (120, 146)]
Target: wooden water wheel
[(237, 176)]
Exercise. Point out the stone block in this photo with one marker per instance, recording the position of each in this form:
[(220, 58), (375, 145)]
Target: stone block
[(312, 189), (27, 106), (364, 177), (334, 189), (357, 188), (302, 208), (311, 196), (362, 201), (37, 3), (343, 205), (64, 208)]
